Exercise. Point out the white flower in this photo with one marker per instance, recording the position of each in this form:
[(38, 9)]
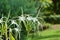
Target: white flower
[(29, 18), (13, 22), (16, 29), (1, 21), (22, 18), (34, 19)]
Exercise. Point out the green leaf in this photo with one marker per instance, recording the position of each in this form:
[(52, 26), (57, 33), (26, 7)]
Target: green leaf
[(11, 37)]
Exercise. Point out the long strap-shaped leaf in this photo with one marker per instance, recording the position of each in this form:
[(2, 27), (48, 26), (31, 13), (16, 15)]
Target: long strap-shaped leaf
[(11, 37)]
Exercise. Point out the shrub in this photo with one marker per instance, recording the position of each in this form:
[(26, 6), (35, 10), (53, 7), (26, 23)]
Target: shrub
[(54, 19)]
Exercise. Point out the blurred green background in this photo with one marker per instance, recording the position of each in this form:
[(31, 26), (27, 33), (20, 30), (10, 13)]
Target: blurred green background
[(32, 7), (47, 11)]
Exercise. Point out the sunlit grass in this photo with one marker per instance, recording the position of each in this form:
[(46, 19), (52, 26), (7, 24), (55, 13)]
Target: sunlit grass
[(47, 35)]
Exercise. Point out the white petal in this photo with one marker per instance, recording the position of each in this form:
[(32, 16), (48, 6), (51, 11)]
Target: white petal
[(13, 22), (21, 18), (29, 18), (16, 29), (1, 21)]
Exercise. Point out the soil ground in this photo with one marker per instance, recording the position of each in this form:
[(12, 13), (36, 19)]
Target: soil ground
[(56, 26)]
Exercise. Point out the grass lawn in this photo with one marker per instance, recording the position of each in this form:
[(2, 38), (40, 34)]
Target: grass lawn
[(47, 35)]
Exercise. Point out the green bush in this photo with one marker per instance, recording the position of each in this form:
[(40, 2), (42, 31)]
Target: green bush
[(54, 19)]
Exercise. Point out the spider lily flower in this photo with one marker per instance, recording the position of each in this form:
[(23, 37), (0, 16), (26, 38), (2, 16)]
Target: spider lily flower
[(13, 22), (22, 18), (34, 19), (1, 20), (16, 29), (29, 18)]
